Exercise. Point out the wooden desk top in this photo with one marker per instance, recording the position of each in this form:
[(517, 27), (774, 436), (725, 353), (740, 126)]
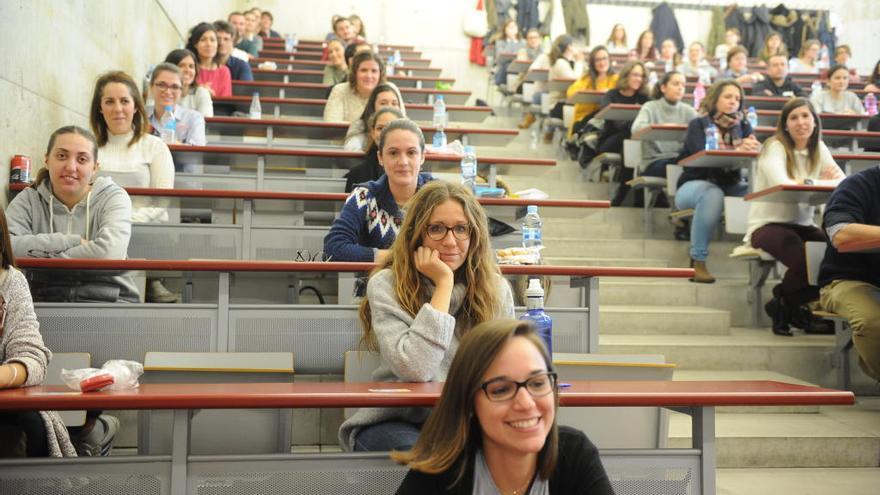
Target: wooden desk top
[(720, 158), (329, 267), (397, 394), (792, 193)]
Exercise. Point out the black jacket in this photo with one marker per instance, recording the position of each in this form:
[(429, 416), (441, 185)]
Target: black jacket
[(695, 141), (578, 471), (367, 170), (856, 200), (762, 88), (664, 25)]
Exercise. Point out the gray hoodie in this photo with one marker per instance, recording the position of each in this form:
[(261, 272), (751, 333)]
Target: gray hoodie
[(41, 226)]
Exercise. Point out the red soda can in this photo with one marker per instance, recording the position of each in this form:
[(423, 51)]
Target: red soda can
[(20, 169)]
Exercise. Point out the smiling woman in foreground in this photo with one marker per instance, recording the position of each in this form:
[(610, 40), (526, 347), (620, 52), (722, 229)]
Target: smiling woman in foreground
[(494, 429)]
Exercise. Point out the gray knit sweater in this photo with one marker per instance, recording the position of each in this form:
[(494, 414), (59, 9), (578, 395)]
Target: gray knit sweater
[(412, 349), (659, 111), (22, 343)]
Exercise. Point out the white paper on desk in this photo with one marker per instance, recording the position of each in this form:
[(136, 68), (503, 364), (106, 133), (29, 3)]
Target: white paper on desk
[(531, 193)]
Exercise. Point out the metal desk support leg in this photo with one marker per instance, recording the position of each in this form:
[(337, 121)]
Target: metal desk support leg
[(180, 432), (223, 338), (703, 435), (590, 291)]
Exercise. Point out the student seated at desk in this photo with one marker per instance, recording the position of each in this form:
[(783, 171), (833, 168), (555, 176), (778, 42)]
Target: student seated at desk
[(669, 56), (24, 360), (69, 213), (666, 107), (805, 62), (644, 49), (836, 99), (383, 95), (704, 188), (213, 74), (598, 76), (562, 48), (851, 281), (532, 47), (194, 97), (166, 87), (795, 154), (873, 83), (738, 67), (773, 45), (239, 68), (357, 25), (336, 70), (438, 283), (777, 82), (508, 41), (696, 64), (266, 21), (251, 33), (348, 99), (129, 153), (343, 30), (731, 40), (372, 214), (370, 169), (616, 42), (494, 429), (567, 62)]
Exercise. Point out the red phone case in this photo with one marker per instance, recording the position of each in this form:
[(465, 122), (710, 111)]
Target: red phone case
[(96, 382)]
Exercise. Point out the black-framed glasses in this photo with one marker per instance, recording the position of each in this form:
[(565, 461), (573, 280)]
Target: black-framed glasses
[(503, 389), (165, 87), (438, 231)]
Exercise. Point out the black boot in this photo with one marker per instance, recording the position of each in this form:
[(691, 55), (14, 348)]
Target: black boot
[(802, 317), (781, 315)]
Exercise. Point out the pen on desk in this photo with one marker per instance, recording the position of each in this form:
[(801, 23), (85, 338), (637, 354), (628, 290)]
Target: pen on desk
[(564, 385)]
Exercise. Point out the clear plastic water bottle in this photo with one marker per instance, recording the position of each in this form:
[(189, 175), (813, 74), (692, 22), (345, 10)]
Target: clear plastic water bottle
[(469, 168), (288, 42), (668, 67), (398, 61), (535, 313), (168, 126), (256, 111), (871, 104), (722, 63), (711, 137), (816, 87), (439, 112), (699, 94), (531, 228), (439, 140), (752, 117), (652, 79), (389, 66), (824, 59)]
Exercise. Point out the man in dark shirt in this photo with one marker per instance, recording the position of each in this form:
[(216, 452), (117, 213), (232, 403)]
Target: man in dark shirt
[(238, 68), (851, 281), (777, 82)]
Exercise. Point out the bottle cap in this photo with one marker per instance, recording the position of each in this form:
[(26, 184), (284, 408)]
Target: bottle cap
[(751, 108), (438, 97), (532, 209), (469, 150), (534, 289), (168, 108)]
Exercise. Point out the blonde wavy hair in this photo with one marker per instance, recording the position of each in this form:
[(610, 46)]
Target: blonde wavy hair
[(478, 273)]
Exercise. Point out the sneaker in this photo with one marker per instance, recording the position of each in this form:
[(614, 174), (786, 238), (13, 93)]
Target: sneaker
[(157, 293), (98, 441)]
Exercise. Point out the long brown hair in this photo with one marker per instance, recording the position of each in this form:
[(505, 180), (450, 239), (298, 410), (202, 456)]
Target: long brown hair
[(707, 107), (478, 273), (356, 64), (451, 436), (623, 77), (784, 137), (7, 258), (96, 119)]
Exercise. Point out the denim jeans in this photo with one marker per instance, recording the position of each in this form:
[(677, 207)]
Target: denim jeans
[(389, 435), (707, 200)]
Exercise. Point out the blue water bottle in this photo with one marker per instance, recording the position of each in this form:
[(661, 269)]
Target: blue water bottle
[(535, 313), (752, 117), (711, 137)]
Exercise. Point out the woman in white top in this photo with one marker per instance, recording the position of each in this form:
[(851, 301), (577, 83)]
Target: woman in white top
[(836, 99), (567, 62), (616, 43), (129, 153), (348, 99), (696, 64), (731, 39), (193, 96), (805, 62), (795, 154), (165, 88)]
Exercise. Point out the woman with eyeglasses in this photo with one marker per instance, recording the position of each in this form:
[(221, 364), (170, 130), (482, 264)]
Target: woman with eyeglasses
[(166, 88), (494, 429), (373, 213), (438, 283)]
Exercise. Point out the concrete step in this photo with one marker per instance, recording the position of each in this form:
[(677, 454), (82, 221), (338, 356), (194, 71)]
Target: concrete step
[(814, 481), (746, 440), (805, 357), (662, 320), (748, 375), (725, 294)]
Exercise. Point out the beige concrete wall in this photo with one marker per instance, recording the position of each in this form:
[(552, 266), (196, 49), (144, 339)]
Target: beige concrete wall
[(55, 49)]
